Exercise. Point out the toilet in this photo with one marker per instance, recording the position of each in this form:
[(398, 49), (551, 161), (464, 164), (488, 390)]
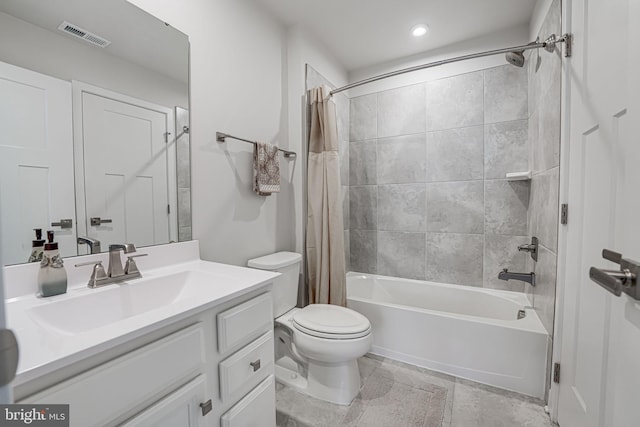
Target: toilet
[(316, 347)]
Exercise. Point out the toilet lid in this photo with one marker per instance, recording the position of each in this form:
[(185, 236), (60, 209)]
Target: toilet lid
[(331, 321)]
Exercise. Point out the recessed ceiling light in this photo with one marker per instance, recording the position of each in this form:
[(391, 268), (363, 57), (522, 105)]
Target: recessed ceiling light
[(419, 30)]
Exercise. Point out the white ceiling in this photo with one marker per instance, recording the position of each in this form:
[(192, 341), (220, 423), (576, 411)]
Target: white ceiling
[(361, 33), (135, 35)]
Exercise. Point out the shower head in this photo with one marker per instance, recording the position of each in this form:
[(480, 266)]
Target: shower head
[(515, 58)]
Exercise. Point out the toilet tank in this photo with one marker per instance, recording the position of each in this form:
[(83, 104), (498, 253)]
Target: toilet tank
[(285, 287)]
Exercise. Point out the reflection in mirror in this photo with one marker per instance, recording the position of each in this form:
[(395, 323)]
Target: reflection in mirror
[(95, 142)]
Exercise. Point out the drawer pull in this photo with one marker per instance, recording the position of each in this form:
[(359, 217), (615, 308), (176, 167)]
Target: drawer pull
[(255, 365), (206, 407)]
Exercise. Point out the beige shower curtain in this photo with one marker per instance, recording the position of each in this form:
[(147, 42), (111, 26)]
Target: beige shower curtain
[(325, 229)]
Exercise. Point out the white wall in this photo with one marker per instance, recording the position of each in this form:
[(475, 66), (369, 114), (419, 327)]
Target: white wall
[(302, 49), (29, 46), (512, 37), (238, 86)]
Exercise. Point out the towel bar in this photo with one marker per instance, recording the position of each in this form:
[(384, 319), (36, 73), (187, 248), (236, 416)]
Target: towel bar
[(220, 137)]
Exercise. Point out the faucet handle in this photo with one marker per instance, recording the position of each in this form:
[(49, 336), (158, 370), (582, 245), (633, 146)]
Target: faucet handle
[(130, 267), (97, 274)]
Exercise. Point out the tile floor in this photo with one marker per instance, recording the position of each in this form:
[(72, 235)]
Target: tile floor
[(394, 394)]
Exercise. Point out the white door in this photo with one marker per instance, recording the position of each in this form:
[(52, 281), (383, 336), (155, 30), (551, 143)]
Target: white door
[(125, 171), (36, 160), (600, 354)]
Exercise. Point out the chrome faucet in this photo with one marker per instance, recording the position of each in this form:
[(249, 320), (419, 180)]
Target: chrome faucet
[(524, 277), (115, 263), (115, 272), (94, 244)]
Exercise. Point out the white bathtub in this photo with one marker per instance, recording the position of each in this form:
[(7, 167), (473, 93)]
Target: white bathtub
[(467, 332)]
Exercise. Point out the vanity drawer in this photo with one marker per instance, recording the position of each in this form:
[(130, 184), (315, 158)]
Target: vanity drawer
[(100, 395), (246, 368), (242, 323), (255, 410)]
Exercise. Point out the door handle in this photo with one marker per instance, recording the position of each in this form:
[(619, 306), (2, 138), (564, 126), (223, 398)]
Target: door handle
[(612, 256), (618, 281), (96, 220), (63, 223), (611, 280)]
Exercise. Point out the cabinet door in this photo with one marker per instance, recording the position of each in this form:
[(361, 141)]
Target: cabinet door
[(179, 409), (256, 409)]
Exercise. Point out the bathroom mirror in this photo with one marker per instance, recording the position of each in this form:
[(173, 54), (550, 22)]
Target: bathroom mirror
[(94, 110)]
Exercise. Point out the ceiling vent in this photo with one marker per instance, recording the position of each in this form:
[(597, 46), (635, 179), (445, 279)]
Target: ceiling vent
[(85, 35)]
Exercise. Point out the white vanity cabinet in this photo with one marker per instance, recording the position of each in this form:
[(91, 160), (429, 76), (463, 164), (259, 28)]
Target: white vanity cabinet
[(206, 370)]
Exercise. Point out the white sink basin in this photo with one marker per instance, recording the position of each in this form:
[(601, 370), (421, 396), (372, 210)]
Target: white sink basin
[(117, 302)]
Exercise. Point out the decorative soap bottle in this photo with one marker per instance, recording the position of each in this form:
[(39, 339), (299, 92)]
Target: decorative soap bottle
[(52, 277), (37, 247)]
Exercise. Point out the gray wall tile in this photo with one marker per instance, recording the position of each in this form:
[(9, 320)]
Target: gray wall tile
[(505, 148), (455, 258), (345, 206), (401, 254), (547, 152), (401, 159), (363, 207), (505, 94), (543, 214), (506, 204), (343, 158), (363, 245), (455, 102), (362, 162), (455, 207), (501, 252), (183, 161), (402, 207), (401, 111), (546, 287), (184, 207), (347, 250), (363, 118), (533, 140), (342, 113), (455, 154), (184, 234)]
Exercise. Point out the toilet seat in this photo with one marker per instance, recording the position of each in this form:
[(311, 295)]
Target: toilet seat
[(331, 322)]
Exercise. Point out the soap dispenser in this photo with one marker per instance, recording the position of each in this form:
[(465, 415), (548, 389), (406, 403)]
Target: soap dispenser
[(37, 247), (52, 277)]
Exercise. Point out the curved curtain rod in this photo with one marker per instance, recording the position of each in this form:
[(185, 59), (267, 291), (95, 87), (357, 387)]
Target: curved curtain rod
[(548, 44)]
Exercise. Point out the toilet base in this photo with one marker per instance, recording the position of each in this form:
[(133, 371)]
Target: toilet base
[(335, 383)]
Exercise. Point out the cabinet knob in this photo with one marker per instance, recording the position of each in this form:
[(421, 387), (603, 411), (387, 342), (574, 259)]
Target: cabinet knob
[(206, 407), (255, 365)]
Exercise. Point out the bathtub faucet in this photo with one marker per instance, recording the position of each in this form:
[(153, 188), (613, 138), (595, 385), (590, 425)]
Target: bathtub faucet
[(525, 277)]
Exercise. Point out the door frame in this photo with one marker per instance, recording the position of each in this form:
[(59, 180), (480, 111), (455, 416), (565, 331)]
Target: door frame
[(79, 88)]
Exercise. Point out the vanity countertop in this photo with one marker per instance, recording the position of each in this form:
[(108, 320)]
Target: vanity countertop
[(87, 321)]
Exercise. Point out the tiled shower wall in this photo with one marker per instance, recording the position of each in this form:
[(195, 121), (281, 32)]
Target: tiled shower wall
[(428, 194), (545, 71), (315, 79), (183, 171)]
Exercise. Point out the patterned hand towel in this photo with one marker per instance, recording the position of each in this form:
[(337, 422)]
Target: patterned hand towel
[(266, 169)]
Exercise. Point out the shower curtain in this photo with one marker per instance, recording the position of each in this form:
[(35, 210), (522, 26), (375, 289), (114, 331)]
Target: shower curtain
[(325, 229)]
